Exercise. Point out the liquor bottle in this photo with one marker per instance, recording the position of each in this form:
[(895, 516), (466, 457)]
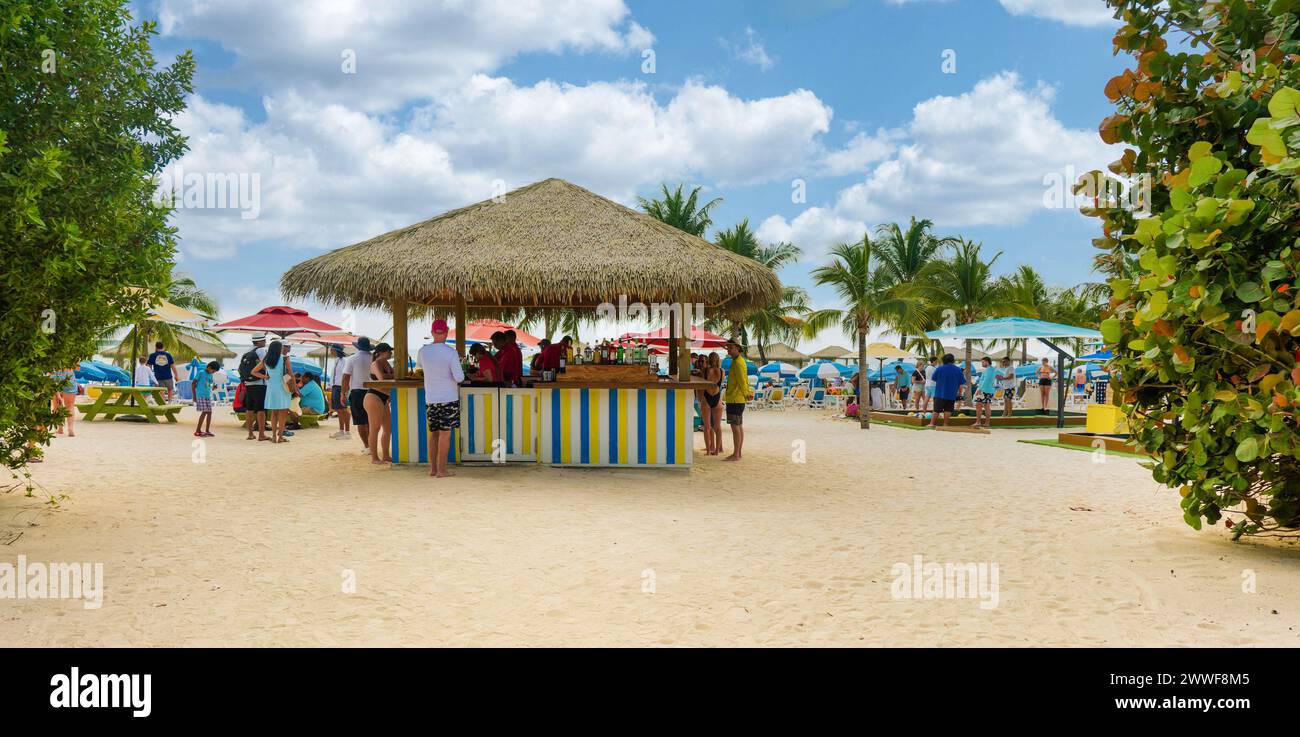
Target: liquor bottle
[(620, 354)]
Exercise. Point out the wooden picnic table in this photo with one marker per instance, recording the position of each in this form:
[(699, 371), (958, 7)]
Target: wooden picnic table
[(122, 395)]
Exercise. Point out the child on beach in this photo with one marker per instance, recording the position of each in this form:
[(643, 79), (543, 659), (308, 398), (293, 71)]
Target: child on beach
[(203, 400), (985, 388)]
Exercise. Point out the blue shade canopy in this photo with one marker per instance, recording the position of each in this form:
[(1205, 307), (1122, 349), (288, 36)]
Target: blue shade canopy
[(112, 373), (776, 367), (887, 371), (1012, 328), (1098, 356)]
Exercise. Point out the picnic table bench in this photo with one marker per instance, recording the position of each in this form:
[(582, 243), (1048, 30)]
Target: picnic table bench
[(121, 397)]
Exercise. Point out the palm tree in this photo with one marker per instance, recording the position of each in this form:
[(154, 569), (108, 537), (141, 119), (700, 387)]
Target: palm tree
[(870, 297), (184, 293), (963, 288), (682, 212), (785, 320), (1031, 298), (904, 254)]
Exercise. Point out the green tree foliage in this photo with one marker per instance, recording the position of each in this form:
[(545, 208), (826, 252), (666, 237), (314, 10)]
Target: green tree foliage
[(85, 124), (1204, 324), (683, 212)]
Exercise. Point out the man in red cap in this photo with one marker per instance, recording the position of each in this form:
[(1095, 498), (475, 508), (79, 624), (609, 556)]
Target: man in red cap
[(442, 377)]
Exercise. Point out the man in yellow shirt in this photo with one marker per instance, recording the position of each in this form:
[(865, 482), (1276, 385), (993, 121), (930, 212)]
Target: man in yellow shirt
[(736, 395)]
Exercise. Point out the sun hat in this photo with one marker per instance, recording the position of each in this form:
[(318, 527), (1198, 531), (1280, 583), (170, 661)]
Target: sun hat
[(363, 344), (383, 348)]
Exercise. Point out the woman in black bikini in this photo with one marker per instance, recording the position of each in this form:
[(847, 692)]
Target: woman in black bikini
[(711, 407), (376, 404), (1045, 375)]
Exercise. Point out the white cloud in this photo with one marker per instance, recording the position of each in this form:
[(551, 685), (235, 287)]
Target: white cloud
[(751, 50), (404, 49), (979, 158), (1070, 12), (330, 175)]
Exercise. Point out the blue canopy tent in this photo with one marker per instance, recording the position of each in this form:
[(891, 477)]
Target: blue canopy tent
[(112, 372), (1021, 328), (88, 371), (887, 370), (1099, 356)]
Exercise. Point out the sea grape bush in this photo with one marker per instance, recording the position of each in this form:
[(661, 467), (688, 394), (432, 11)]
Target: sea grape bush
[(86, 123), (1204, 315)]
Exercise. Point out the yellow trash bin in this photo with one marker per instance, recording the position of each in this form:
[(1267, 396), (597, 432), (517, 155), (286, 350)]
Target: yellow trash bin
[(1106, 419)]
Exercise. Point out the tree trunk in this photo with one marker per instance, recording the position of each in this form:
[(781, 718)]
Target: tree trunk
[(1024, 351), (965, 369), (864, 386), (902, 342)]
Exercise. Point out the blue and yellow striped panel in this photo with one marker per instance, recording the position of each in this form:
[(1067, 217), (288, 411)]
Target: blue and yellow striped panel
[(615, 427), (410, 435)]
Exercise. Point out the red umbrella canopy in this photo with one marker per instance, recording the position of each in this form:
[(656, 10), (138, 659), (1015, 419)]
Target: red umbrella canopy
[(480, 331), (699, 338), (281, 320)]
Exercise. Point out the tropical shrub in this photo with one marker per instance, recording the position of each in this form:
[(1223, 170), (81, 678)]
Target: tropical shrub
[(85, 125), (1203, 315)]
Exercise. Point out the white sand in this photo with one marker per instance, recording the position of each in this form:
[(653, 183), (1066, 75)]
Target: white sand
[(250, 547)]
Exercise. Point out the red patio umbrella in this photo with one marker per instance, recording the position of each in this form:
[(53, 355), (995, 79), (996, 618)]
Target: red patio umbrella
[(281, 321), (480, 331), (699, 338)]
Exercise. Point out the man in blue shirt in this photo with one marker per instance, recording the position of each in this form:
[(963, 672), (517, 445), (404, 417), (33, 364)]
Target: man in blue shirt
[(986, 386), (948, 380), (164, 369)]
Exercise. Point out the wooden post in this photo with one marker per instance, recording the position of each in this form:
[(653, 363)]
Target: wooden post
[(673, 355), (399, 338), (462, 327), (684, 357)]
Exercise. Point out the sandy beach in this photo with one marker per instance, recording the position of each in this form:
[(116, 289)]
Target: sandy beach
[(256, 544)]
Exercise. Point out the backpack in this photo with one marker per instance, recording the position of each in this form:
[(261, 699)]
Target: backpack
[(247, 363)]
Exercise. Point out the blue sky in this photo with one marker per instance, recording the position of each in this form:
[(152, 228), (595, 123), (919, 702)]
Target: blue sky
[(449, 100)]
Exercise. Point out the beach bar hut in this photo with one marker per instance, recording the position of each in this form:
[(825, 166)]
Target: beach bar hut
[(554, 245), (1013, 328)]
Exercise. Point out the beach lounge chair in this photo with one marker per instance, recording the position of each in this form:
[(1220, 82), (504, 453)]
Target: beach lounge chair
[(798, 396), (776, 399), (818, 399), (759, 399)]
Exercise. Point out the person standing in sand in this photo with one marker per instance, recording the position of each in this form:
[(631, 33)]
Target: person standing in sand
[(354, 376), (948, 380), (736, 395), (986, 386), (442, 377), (338, 398)]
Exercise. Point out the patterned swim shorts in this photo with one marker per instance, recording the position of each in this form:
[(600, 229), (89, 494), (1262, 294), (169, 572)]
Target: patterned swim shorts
[(983, 398), (203, 404), (443, 416)]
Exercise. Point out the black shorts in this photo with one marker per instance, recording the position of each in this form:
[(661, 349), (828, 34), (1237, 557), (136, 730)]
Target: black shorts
[(255, 398), (442, 416), (944, 405), (1044, 382), (336, 398), (903, 392), (357, 403), (735, 413)]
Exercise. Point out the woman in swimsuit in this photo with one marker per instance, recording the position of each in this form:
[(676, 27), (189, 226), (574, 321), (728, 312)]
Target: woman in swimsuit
[(376, 404), (66, 398), (711, 407), (1045, 375)]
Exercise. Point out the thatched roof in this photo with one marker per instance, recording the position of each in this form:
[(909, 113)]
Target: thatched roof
[(778, 352), (831, 353), (200, 347), (551, 243)]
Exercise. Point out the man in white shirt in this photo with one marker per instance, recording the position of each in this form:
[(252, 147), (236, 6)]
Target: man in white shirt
[(356, 372), (338, 400), (442, 376), (929, 381)]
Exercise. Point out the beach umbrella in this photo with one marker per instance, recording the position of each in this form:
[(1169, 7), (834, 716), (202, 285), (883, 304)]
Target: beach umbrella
[(88, 371), (824, 370), (113, 373), (752, 370), (699, 338), (480, 331), (280, 320), (887, 370), (779, 368)]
